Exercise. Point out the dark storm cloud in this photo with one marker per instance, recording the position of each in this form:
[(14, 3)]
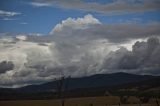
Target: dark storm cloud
[(6, 66), (143, 59), (42, 44), (112, 8)]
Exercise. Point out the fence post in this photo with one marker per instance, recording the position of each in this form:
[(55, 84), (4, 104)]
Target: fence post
[(157, 102)]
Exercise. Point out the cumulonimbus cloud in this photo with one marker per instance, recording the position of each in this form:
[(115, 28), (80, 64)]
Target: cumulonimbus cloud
[(79, 47)]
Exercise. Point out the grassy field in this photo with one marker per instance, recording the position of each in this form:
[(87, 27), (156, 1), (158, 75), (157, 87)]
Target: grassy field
[(87, 101)]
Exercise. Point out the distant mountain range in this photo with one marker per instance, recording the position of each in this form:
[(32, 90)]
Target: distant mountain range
[(115, 80)]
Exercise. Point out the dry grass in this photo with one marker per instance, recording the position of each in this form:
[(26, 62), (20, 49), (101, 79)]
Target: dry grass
[(87, 101)]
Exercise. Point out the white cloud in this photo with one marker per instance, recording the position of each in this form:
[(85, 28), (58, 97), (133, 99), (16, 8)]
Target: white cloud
[(22, 54), (79, 23), (21, 37)]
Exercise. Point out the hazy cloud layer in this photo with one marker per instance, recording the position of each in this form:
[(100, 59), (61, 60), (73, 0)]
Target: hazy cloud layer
[(110, 8), (114, 32), (79, 47)]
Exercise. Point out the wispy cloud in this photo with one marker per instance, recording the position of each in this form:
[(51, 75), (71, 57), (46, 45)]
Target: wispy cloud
[(24, 23), (8, 19), (8, 13), (37, 4)]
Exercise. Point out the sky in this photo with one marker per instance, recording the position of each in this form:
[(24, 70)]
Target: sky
[(41, 40), (40, 17)]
